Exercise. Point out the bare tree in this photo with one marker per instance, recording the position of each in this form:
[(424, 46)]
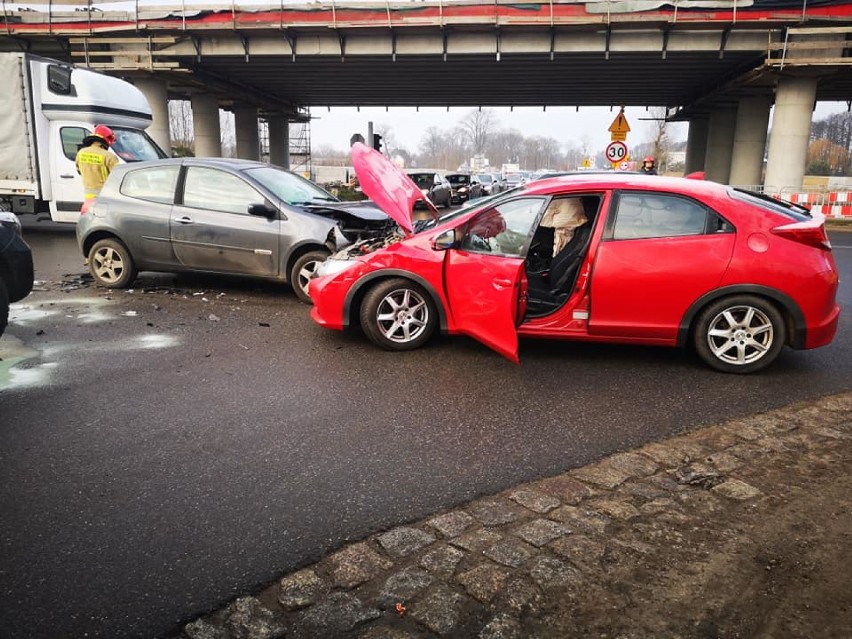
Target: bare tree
[(227, 134), (180, 125), (327, 155), (659, 142), (477, 127), (831, 144), (573, 156), (431, 147), (505, 146)]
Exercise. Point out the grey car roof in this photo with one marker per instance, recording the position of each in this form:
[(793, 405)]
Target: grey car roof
[(227, 163)]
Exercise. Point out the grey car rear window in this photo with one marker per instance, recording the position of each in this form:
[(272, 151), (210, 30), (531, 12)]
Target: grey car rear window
[(154, 184)]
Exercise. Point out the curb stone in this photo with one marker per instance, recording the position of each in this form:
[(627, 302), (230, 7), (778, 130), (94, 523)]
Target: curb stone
[(501, 566)]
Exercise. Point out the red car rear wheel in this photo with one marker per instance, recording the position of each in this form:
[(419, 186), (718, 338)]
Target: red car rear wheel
[(740, 334)]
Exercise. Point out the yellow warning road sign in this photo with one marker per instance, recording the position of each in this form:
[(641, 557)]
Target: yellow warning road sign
[(619, 125)]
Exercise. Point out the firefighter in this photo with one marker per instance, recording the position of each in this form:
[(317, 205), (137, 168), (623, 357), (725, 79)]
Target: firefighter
[(649, 166), (95, 161)]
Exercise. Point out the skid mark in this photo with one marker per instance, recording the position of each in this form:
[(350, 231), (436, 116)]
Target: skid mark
[(59, 357), (89, 310), (12, 352)]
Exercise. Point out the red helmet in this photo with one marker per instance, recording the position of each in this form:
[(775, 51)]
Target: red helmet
[(104, 133), (649, 158)]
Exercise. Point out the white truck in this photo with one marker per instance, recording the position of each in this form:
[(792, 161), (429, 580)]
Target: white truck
[(46, 109)]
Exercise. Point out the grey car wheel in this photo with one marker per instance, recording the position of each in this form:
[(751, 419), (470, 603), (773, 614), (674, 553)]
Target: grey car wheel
[(111, 264), (740, 334), (398, 315), (302, 272)]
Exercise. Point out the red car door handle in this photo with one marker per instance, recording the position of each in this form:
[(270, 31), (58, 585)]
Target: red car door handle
[(499, 281)]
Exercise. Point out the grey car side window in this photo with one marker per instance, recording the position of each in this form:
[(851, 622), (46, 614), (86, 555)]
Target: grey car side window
[(155, 184), (216, 190)]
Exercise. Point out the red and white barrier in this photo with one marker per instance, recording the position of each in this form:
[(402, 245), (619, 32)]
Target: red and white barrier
[(830, 204)]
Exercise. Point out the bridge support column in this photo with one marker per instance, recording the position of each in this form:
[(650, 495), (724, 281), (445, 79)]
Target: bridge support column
[(157, 94), (750, 140), (245, 127), (279, 140), (696, 144), (720, 141), (205, 124), (791, 127)]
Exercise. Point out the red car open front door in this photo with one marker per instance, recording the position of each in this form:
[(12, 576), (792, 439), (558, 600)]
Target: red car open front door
[(485, 295), (485, 276)]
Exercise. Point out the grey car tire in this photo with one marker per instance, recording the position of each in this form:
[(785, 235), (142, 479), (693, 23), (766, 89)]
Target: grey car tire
[(4, 307), (111, 264), (740, 334), (398, 315), (303, 269)]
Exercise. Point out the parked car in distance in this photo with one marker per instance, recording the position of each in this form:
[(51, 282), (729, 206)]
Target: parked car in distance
[(463, 187), (600, 258), (234, 217), (433, 184), (492, 183), (514, 179), (16, 266)]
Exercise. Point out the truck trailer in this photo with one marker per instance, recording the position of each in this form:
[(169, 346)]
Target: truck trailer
[(47, 108)]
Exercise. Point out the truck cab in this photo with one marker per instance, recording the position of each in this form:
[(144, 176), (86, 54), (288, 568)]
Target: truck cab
[(51, 107)]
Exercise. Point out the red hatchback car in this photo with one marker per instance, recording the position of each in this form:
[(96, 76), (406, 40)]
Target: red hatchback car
[(600, 258)]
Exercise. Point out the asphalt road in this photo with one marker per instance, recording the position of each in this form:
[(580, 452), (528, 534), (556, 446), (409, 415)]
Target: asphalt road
[(162, 452)]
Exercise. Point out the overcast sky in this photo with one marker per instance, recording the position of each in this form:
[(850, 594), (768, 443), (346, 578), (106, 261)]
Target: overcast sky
[(565, 124)]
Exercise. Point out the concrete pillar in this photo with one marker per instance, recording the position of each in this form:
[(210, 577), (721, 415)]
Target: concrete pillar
[(720, 142), (156, 92), (245, 128), (750, 140), (205, 125), (696, 144), (279, 140), (791, 127)]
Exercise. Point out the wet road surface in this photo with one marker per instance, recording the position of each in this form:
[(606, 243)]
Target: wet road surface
[(164, 451)]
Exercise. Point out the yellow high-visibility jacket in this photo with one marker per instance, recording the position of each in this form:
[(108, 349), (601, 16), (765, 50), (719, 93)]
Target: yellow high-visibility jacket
[(94, 164)]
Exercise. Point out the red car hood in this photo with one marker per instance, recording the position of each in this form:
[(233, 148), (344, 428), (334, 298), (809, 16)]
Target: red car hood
[(391, 189)]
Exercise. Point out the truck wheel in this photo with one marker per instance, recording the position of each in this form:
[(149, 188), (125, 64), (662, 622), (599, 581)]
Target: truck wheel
[(111, 264), (4, 307)]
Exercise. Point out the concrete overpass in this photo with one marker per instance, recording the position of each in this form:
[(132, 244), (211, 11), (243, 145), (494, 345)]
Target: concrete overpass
[(719, 64)]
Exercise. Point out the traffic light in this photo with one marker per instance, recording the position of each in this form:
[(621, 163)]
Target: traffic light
[(377, 142)]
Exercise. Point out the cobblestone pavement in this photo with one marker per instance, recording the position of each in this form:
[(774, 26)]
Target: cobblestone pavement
[(734, 530)]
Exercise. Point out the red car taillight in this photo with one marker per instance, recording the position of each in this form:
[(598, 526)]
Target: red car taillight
[(811, 233), (87, 205)]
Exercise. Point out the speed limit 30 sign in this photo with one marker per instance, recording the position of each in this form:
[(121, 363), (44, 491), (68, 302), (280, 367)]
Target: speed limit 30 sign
[(616, 152)]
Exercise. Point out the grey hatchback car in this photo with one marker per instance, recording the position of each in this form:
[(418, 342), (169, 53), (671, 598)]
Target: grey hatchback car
[(234, 217)]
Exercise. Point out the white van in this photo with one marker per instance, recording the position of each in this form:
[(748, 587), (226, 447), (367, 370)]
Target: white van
[(46, 109)]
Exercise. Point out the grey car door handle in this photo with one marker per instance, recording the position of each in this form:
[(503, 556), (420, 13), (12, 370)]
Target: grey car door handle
[(184, 220), (67, 176)]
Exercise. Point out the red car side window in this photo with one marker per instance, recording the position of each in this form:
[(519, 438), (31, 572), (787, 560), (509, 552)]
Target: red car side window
[(504, 229), (649, 214)]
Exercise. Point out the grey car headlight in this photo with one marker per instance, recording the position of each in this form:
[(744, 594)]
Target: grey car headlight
[(333, 267)]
